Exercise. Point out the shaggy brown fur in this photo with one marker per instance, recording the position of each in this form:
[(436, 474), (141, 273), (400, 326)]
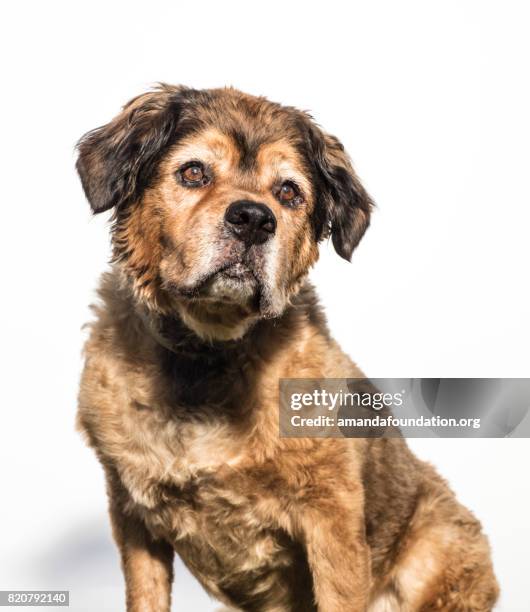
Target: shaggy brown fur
[(179, 395)]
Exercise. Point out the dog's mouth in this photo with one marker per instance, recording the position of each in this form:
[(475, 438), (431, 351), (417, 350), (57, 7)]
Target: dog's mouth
[(239, 272), (234, 281)]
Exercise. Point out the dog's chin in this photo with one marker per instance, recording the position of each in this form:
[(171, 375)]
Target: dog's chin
[(225, 303), (224, 306), (235, 284)]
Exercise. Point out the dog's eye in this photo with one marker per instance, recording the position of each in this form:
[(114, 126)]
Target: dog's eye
[(193, 174), (289, 194)]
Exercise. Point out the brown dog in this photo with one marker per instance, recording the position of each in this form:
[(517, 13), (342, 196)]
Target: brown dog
[(219, 202)]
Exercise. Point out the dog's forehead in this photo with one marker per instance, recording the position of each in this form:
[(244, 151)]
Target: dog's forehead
[(209, 145)]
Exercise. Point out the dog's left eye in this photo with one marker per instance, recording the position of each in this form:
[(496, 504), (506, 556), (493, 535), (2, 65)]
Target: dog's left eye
[(193, 174), (289, 193)]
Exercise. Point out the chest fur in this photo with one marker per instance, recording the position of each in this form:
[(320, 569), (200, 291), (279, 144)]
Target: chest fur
[(193, 491), (183, 475), (190, 474)]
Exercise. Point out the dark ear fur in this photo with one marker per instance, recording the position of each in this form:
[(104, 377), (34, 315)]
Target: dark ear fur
[(116, 161), (344, 204)]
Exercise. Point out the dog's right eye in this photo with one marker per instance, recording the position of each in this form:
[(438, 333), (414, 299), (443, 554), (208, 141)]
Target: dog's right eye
[(193, 174)]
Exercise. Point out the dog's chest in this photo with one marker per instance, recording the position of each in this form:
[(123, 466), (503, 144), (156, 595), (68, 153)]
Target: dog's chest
[(226, 543), (217, 530), (188, 485)]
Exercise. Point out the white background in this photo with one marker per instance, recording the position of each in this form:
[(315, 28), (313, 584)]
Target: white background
[(432, 101)]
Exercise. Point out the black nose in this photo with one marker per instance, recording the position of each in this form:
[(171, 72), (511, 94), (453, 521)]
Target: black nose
[(251, 222)]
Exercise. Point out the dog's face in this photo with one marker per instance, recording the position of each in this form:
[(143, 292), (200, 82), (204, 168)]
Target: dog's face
[(220, 200)]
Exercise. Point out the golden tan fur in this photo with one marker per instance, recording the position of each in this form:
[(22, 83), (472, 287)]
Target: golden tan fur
[(179, 395)]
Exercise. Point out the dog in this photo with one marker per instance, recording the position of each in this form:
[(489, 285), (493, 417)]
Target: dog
[(219, 202)]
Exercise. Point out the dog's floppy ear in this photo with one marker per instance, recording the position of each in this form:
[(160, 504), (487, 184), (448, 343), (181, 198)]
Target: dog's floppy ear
[(117, 160), (343, 203)]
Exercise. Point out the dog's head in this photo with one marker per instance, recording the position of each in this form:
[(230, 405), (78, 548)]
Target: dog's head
[(220, 200)]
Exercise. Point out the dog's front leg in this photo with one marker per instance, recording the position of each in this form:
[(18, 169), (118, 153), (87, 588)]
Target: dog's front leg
[(338, 557), (147, 563)]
